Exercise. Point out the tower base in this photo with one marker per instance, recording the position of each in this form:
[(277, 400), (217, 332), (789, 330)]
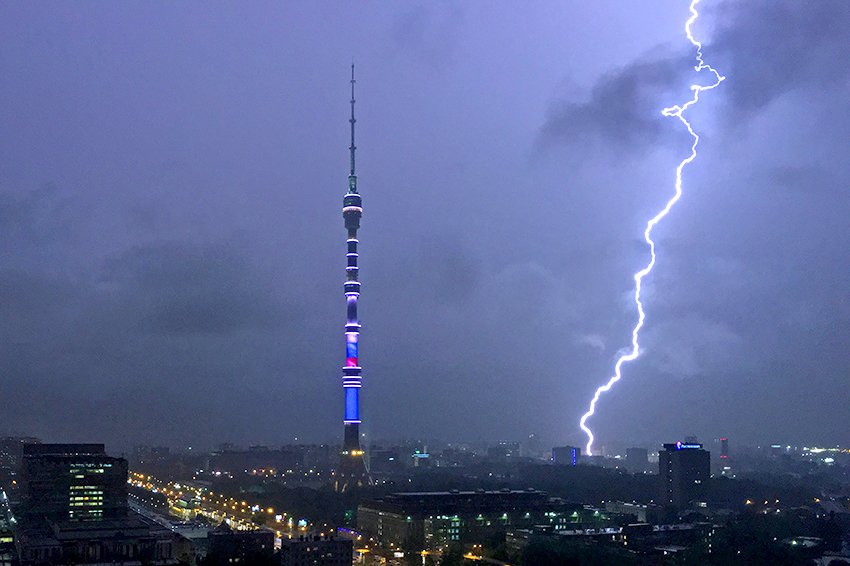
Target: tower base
[(352, 470)]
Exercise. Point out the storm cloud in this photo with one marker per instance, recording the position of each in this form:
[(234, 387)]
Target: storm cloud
[(766, 49), (172, 249)]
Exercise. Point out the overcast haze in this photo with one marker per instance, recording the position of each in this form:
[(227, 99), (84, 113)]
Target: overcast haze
[(172, 245)]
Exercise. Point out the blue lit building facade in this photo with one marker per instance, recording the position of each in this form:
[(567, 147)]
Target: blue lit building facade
[(566, 455)]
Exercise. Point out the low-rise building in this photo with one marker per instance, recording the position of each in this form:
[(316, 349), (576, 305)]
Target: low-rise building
[(316, 551), (228, 546), (423, 520), (638, 539), (129, 540)]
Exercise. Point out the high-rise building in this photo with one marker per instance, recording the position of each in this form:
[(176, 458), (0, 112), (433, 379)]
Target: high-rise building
[(724, 448), (352, 469), (8, 552), (637, 460), (684, 469), (72, 482), (11, 457), (723, 466), (566, 455)]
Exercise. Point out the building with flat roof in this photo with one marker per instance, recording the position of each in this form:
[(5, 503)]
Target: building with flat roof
[(637, 460), (316, 550), (72, 482), (684, 470), (627, 543), (129, 540), (566, 455), (419, 520), (228, 546)]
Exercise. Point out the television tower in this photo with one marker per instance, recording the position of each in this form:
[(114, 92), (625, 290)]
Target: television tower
[(352, 469)]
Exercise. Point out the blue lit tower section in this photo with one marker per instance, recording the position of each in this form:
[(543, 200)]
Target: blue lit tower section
[(352, 466)]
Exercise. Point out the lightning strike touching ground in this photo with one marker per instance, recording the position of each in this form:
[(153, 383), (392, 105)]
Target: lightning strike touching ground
[(677, 111)]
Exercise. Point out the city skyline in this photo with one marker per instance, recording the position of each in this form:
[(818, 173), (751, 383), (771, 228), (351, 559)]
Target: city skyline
[(170, 234)]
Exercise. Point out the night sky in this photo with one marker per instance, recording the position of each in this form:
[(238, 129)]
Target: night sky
[(172, 248)]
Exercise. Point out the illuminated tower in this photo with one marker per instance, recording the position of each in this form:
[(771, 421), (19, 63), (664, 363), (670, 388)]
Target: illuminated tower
[(352, 469)]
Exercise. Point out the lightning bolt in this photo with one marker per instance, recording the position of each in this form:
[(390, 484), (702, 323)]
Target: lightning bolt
[(677, 111)]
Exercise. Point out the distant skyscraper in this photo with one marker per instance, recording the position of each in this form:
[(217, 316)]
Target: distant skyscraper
[(352, 465), (503, 451), (724, 448), (637, 460), (72, 482), (566, 455), (11, 458), (684, 469), (723, 465)]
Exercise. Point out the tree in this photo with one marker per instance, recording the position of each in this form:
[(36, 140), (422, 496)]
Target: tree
[(453, 556)]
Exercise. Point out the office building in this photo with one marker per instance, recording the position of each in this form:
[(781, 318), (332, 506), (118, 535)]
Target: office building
[(566, 455), (72, 482), (385, 461), (684, 470), (132, 540), (316, 551), (11, 457), (227, 546), (637, 460), (8, 553), (503, 451)]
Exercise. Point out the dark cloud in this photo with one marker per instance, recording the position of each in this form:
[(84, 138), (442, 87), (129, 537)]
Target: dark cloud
[(28, 295), (428, 34), (623, 108), (129, 342), (770, 48), (34, 219), (202, 289), (765, 48), (452, 272)]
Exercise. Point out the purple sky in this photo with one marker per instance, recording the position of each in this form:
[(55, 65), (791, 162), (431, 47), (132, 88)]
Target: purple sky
[(172, 246)]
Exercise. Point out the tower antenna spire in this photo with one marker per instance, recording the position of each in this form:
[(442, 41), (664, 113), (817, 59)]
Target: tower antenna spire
[(352, 147)]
